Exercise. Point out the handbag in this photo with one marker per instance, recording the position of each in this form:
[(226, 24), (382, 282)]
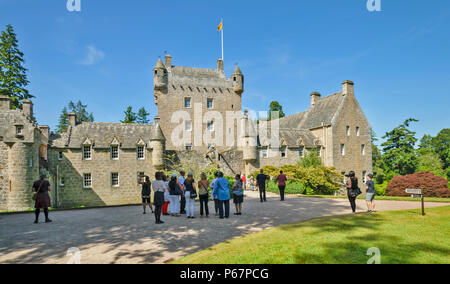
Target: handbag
[(193, 194), (35, 195)]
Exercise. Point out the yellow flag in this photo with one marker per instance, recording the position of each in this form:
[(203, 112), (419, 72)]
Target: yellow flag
[(220, 26)]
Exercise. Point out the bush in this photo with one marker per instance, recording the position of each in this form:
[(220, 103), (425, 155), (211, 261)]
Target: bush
[(381, 188), (431, 185)]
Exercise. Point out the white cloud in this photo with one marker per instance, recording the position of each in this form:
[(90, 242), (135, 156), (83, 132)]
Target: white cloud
[(93, 56)]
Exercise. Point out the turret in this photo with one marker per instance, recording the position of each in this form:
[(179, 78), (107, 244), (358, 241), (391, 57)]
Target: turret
[(160, 76), (238, 81), (250, 139), (158, 142)]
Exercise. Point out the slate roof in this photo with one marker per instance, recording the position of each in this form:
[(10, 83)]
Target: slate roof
[(102, 134), (323, 112)]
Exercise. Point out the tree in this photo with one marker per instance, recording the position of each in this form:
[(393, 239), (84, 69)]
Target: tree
[(430, 162), (441, 145), (82, 115), (399, 152), (142, 116), (276, 107), (311, 160), (13, 76), (130, 116)]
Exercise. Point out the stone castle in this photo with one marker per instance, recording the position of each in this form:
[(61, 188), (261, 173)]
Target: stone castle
[(98, 164)]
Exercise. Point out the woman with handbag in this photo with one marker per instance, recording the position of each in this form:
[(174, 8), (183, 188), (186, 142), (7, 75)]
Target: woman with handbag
[(352, 189), (190, 194), (41, 198)]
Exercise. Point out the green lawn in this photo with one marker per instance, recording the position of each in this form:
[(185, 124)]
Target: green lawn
[(403, 237), (395, 198)]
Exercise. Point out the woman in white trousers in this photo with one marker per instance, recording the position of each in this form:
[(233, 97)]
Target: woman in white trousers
[(175, 193)]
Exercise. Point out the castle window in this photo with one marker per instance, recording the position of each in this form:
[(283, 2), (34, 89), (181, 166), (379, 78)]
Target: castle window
[(210, 126), (301, 151), (265, 153), (115, 179), (210, 104), (87, 181), (19, 130), (189, 147), (114, 152), (343, 149), (156, 72), (187, 102), (188, 125), (319, 151), (140, 152), (283, 152), (347, 131), (364, 179), (87, 155), (140, 177), (234, 79), (60, 156), (61, 181), (357, 131), (363, 150), (30, 162)]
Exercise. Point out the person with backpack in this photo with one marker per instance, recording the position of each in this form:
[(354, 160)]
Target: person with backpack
[(175, 192), (238, 194), (190, 194), (352, 189), (41, 188), (203, 193)]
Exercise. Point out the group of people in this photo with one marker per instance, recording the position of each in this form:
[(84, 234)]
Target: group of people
[(177, 195)]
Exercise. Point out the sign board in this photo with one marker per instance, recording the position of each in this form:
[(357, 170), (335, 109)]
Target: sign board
[(414, 191), (416, 196)]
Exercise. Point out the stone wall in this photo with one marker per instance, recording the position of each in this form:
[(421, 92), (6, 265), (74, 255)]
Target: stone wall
[(73, 167), (4, 180)]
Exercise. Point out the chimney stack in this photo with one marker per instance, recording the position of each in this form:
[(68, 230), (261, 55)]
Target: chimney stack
[(348, 88), (72, 119), (45, 129), (314, 98), (27, 108), (220, 65), (5, 102), (168, 61)]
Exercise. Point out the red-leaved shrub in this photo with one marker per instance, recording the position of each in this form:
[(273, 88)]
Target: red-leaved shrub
[(431, 185)]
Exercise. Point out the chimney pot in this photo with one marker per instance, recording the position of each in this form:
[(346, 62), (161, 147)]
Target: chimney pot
[(72, 119), (315, 96)]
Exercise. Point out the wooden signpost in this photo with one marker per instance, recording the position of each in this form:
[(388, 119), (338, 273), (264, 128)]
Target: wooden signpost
[(417, 193)]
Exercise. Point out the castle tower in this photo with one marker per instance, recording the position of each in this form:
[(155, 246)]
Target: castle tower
[(250, 151), (238, 81), (160, 79), (158, 143)]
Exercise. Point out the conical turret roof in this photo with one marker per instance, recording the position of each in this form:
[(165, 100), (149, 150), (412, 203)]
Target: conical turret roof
[(160, 64), (237, 71)]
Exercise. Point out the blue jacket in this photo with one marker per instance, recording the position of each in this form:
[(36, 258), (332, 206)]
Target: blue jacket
[(222, 189)]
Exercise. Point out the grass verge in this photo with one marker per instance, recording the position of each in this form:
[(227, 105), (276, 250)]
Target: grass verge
[(403, 237)]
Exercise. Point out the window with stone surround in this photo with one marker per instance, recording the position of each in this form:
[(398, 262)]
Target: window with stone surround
[(342, 149), (265, 153), (87, 180), (115, 179), (301, 151), (188, 147), (140, 177), (62, 182), (210, 104), (19, 130), (283, 152), (187, 102), (114, 152), (364, 174), (60, 156), (363, 150), (210, 126), (347, 131), (140, 152), (357, 131), (87, 152)]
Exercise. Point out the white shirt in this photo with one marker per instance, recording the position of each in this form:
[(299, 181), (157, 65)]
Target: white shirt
[(158, 186)]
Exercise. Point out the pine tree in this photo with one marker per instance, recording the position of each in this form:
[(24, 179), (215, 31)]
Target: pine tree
[(13, 77), (130, 116), (81, 114), (142, 116)]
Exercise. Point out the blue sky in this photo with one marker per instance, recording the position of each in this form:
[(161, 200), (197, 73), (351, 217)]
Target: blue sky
[(104, 55)]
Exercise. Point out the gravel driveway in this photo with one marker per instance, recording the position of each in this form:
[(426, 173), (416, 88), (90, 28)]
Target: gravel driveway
[(125, 235)]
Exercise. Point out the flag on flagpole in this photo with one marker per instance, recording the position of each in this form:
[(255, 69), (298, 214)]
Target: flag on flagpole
[(220, 26)]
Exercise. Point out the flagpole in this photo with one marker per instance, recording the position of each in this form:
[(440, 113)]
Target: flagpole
[(222, 41)]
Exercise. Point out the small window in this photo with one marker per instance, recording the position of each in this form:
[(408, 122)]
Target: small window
[(342, 149), (87, 155), (140, 176), (62, 182), (156, 72), (187, 102), (347, 131), (114, 152), (319, 151), (301, 151), (188, 125), (364, 173), (210, 104), (265, 153), (140, 152), (60, 156), (30, 162), (210, 126), (188, 147), (357, 131), (363, 150), (283, 152), (87, 180), (19, 130), (115, 180), (234, 79)]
